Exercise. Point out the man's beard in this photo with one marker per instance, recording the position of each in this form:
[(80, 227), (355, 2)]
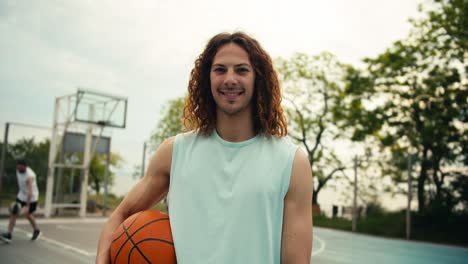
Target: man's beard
[(239, 91)]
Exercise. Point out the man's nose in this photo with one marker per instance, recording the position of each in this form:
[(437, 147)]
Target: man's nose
[(231, 78)]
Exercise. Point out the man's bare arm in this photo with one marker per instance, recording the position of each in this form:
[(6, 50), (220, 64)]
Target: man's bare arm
[(296, 243), (29, 183), (148, 191)]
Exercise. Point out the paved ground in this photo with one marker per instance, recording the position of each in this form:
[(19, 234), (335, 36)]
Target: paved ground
[(333, 247), (74, 240), (63, 241)]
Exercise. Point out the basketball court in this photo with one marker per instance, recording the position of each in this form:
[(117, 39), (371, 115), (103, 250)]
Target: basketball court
[(63, 240), (333, 247), (74, 240)]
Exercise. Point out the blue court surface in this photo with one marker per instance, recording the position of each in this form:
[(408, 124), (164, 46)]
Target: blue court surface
[(70, 240), (335, 247)]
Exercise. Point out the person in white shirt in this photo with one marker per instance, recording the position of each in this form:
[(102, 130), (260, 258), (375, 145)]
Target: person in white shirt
[(26, 200)]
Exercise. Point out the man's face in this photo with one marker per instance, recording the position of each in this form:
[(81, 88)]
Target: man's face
[(21, 168), (232, 80)]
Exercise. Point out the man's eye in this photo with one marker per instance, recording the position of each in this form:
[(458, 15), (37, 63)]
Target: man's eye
[(219, 70)]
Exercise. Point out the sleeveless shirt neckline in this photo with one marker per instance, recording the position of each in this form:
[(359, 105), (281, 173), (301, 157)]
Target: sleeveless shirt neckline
[(234, 144)]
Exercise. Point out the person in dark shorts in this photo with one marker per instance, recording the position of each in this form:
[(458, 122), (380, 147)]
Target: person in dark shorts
[(26, 200)]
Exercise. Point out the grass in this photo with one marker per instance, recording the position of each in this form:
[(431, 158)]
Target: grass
[(7, 198), (113, 201), (446, 229), (387, 225), (335, 223)]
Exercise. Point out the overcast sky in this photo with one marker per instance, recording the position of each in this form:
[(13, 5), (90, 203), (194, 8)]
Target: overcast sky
[(144, 50)]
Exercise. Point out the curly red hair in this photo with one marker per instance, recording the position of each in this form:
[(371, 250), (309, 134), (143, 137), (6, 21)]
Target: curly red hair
[(200, 107)]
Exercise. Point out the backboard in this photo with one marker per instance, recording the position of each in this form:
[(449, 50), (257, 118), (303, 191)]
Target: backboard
[(100, 108), (75, 142)]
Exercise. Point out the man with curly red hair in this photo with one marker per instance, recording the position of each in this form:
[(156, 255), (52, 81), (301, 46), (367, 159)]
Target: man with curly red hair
[(238, 190)]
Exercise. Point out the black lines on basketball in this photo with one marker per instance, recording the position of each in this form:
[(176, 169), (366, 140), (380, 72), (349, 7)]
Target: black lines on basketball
[(155, 239), (146, 240), (121, 234), (149, 223), (145, 237), (135, 246)]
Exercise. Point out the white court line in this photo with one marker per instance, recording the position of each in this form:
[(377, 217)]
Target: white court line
[(60, 244), (78, 228), (57, 221), (88, 254), (322, 246)]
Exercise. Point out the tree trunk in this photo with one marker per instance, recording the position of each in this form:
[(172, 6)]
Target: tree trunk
[(422, 182), (314, 197), (96, 184), (437, 181)]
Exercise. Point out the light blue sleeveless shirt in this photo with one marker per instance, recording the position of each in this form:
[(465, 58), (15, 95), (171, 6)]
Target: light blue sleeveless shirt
[(226, 199)]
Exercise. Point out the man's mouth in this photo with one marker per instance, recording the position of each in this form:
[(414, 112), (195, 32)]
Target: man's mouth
[(231, 93)]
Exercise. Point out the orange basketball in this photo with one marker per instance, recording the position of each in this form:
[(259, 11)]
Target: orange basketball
[(144, 237)]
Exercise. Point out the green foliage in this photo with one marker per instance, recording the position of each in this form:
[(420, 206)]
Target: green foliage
[(383, 224), (431, 227), (438, 226), (162, 207), (335, 223), (112, 200), (170, 123), (413, 98), (356, 95), (70, 182), (313, 85), (97, 170), (375, 209), (460, 187), (36, 153)]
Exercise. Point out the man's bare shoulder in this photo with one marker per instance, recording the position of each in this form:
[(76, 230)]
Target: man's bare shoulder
[(301, 175), (161, 160), (168, 143)]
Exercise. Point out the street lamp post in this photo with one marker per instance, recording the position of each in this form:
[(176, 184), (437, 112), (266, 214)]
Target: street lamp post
[(143, 160), (4, 148), (355, 195)]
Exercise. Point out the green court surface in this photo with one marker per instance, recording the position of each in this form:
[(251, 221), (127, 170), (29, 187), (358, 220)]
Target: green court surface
[(335, 247)]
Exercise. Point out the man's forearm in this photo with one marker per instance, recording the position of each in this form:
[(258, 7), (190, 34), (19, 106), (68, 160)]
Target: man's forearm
[(28, 201)]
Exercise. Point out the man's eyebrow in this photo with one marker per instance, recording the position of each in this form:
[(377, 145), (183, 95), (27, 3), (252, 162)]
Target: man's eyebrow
[(237, 65), (243, 65)]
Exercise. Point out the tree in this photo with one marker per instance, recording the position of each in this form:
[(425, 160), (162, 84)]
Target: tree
[(170, 123), (97, 169), (36, 153), (312, 87), (413, 98)]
